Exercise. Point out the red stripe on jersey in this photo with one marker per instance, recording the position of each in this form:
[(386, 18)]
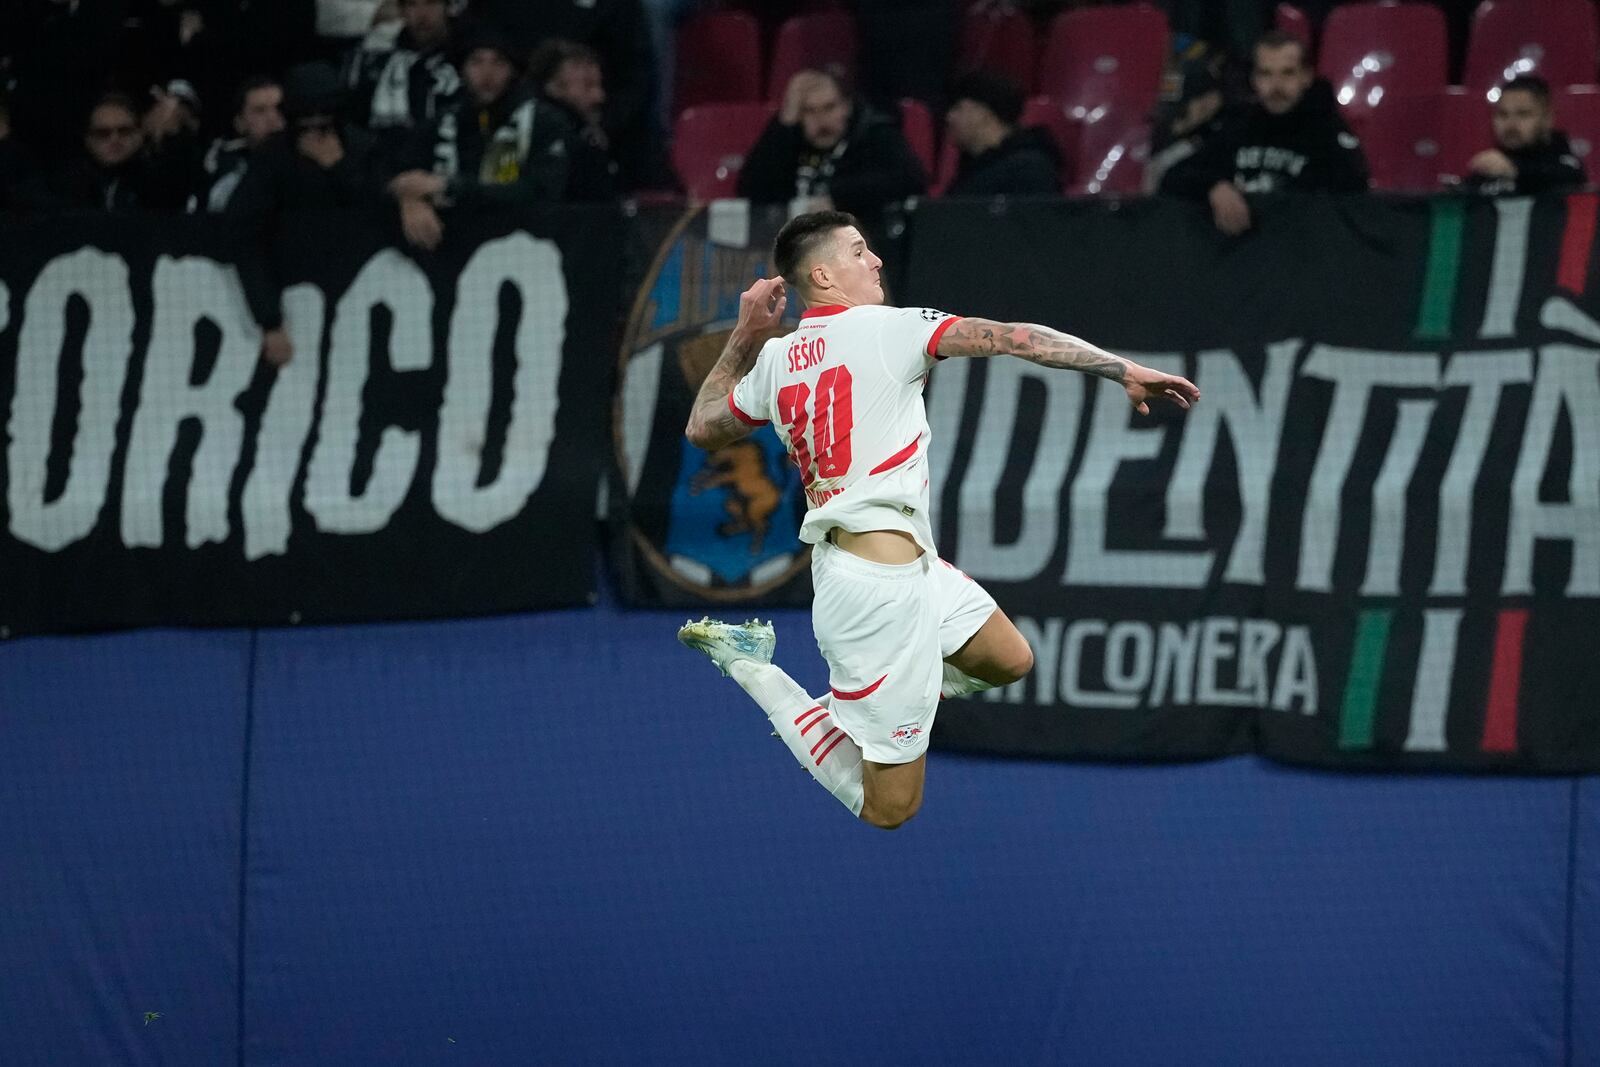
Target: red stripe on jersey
[(825, 309), (741, 416), (933, 342), (831, 731), (806, 714), (829, 749), (859, 693), (813, 722), (898, 458)]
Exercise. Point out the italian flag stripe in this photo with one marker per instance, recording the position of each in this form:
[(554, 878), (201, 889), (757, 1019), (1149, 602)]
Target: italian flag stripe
[(1444, 267), (1576, 241), (1366, 671), (1505, 679)]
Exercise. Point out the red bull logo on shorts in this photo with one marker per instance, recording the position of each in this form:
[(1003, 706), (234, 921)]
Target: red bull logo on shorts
[(905, 736)]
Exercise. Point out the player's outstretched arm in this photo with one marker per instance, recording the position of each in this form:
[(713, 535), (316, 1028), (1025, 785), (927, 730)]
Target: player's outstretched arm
[(712, 424), (1052, 348)]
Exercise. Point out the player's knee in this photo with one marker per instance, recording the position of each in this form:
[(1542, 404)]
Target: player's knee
[(890, 816)]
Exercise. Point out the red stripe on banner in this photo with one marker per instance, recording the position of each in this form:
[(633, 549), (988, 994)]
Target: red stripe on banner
[(898, 458), (741, 416), (829, 749), (1505, 681), (803, 714), (859, 693), (831, 731), (1576, 241), (933, 342), (813, 722)]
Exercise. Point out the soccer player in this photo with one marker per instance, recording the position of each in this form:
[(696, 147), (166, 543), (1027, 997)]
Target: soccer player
[(899, 627)]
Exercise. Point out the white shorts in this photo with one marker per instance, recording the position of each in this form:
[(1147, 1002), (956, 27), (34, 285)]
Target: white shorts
[(885, 630)]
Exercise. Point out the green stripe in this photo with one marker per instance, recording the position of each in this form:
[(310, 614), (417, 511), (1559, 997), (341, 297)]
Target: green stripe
[(1444, 268), (1366, 671)]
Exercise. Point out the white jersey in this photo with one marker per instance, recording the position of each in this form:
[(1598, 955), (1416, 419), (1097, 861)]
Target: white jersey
[(845, 390)]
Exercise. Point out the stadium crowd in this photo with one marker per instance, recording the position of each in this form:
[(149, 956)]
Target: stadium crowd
[(246, 108)]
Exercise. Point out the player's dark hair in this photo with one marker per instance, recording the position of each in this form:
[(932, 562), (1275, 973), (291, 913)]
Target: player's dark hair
[(1279, 39), (800, 238), (1531, 84)]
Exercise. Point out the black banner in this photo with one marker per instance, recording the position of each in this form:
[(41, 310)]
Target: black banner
[(1376, 541), (433, 448)]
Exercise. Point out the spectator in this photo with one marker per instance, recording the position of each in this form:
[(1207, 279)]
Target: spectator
[(1291, 138), (824, 147), (568, 75), (502, 145), (998, 157), (619, 32), (235, 38), (404, 81), (1188, 116), (1530, 154), (318, 161), (114, 173), (257, 116)]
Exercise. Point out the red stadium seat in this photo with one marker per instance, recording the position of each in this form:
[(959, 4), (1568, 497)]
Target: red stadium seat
[(1370, 51), (1578, 116), (709, 144), (1002, 42), (1416, 143), (719, 60), (825, 40), (1555, 39), (916, 125), (1286, 18), (1113, 147), (1102, 57)]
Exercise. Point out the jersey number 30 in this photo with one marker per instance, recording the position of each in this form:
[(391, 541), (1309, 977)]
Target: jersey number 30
[(830, 420)]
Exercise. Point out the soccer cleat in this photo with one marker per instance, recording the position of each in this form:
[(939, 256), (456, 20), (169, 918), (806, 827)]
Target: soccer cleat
[(727, 642)]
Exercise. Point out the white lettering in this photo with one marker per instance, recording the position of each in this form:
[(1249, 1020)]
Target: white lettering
[(264, 507), (1111, 441), (1387, 543), (186, 292), (391, 281), (1485, 376), (1071, 691), (1355, 373), (1569, 379), (101, 280), (979, 552), (534, 268)]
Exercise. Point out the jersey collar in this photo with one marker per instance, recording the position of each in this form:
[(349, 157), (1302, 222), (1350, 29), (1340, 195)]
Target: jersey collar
[(825, 309)]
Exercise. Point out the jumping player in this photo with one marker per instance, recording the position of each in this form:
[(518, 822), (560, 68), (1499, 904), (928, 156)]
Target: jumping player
[(898, 626)]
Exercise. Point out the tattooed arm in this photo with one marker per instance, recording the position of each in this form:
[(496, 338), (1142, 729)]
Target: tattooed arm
[(1052, 348), (712, 423)]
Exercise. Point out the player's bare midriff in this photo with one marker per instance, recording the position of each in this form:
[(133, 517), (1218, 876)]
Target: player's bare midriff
[(879, 546)]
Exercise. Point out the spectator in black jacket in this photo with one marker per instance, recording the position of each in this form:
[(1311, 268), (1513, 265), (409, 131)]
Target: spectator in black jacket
[(1530, 154), (619, 32), (502, 146), (569, 77), (257, 116), (831, 151), (1291, 138), (115, 172), (405, 82), (997, 156), (318, 162)]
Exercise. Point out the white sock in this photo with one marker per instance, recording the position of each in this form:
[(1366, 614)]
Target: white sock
[(807, 727), (958, 683)]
